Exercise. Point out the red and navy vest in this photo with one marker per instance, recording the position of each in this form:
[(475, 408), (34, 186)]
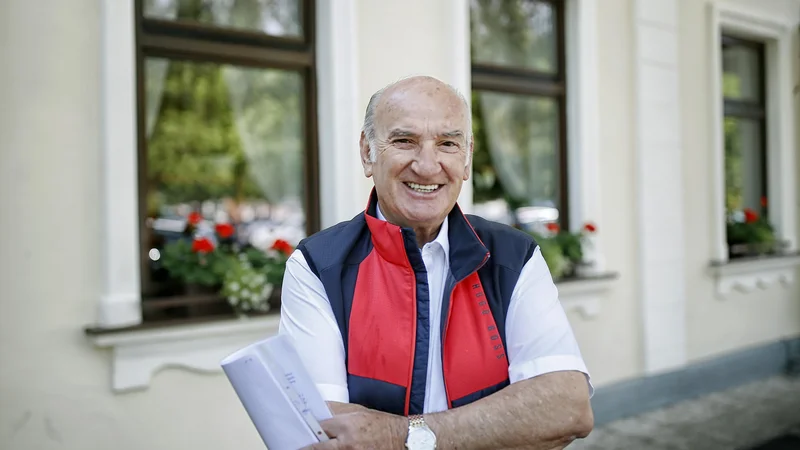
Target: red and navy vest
[(377, 285)]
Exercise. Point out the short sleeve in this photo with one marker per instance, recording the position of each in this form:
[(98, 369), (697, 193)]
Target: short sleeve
[(307, 317), (539, 337)]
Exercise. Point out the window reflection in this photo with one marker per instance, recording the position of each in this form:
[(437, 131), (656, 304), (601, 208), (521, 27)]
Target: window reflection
[(516, 165), (225, 144)]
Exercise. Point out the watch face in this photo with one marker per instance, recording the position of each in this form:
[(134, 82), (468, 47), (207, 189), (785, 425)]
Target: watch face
[(421, 439)]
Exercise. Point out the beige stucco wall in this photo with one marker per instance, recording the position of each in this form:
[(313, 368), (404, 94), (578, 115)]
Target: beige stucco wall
[(718, 326), (54, 387)]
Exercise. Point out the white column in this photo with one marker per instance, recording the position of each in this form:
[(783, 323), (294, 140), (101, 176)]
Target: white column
[(121, 296), (583, 124), (659, 184), (341, 175)]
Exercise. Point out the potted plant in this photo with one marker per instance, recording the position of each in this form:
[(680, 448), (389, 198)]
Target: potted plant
[(750, 234), (566, 252)]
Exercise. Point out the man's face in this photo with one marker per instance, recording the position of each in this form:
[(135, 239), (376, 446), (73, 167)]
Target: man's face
[(421, 143)]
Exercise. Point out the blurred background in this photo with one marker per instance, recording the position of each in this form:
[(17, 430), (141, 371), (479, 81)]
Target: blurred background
[(161, 158)]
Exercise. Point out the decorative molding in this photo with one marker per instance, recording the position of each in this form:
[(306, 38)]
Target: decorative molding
[(138, 355), (776, 33), (752, 274), (118, 304), (585, 295)]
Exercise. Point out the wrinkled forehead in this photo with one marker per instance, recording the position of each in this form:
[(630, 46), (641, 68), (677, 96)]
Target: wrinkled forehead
[(427, 108)]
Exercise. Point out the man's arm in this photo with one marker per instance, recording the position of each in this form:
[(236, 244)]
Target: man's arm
[(339, 408), (545, 412)]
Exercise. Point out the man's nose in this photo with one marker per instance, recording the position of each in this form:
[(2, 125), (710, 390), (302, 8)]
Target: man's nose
[(427, 161)]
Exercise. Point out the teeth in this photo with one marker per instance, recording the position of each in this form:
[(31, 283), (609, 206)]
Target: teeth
[(423, 187)]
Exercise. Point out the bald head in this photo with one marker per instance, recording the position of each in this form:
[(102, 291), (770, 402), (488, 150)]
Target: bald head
[(413, 85)]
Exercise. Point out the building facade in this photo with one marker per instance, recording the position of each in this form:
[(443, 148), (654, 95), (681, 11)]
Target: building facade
[(671, 126)]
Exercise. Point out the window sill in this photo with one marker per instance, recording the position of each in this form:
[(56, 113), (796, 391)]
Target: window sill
[(748, 274), (583, 294), (140, 352)]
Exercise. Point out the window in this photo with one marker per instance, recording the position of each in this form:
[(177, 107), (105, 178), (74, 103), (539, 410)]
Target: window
[(745, 137), (519, 111), (227, 144)]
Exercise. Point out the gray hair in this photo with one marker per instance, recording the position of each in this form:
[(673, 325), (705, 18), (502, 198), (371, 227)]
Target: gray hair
[(369, 120)]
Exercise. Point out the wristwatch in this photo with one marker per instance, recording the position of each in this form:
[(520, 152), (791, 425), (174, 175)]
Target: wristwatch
[(420, 436)]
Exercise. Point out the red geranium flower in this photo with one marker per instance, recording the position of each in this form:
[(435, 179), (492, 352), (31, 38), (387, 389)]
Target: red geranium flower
[(194, 218), (553, 227), (750, 216), (283, 247), (590, 227), (224, 230), (763, 202), (202, 245)]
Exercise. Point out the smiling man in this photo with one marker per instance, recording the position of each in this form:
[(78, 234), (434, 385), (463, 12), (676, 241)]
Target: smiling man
[(423, 327)]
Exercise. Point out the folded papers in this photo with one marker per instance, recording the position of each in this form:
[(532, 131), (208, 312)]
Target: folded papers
[(278, 394)]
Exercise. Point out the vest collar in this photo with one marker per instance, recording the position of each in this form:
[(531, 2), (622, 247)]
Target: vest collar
[(466, 251)]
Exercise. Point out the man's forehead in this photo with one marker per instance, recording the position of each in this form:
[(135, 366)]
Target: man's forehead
[(405, 106)]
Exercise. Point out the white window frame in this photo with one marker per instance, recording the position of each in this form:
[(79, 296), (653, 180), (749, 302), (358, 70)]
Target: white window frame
[(138, 354), (776, 34)]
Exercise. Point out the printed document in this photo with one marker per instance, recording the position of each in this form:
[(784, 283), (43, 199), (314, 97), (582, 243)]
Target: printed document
[(278, 394)]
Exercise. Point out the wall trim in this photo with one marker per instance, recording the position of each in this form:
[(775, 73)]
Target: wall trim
[(119, 301), (638, 396), (137, 355)]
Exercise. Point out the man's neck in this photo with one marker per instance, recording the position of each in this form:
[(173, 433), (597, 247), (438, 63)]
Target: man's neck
[(426, 235)]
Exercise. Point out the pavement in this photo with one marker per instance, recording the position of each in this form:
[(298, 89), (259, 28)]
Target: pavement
[(763, 415)]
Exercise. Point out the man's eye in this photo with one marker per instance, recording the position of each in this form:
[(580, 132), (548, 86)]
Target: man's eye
[(402, 141), (449, 144)]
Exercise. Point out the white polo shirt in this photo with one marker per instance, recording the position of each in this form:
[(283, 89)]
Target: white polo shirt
[(539, 338)]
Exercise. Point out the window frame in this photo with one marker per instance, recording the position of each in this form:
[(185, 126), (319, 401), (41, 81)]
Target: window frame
[(529, 83), (775, 33), (204, 43)]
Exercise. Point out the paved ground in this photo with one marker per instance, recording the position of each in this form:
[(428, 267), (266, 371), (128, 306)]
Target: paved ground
[(743, 418)]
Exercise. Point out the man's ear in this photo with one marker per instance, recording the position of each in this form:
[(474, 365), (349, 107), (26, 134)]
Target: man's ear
[(470, 156), (365, 159)]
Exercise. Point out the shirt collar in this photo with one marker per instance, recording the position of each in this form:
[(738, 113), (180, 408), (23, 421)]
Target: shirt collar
[(441, 239)]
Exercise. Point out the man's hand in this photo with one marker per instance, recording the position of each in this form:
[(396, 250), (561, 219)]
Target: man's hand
[(365, 429)]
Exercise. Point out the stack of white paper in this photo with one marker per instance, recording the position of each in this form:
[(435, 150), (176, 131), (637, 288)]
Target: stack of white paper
[(277, 393)]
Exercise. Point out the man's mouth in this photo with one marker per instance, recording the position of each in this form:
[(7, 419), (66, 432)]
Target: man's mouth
[(424, 188)]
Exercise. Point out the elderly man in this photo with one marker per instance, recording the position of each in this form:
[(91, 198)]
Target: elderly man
[(422, 327)]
